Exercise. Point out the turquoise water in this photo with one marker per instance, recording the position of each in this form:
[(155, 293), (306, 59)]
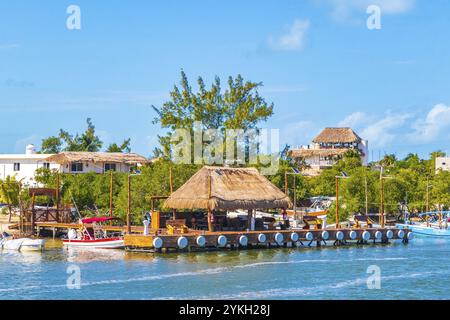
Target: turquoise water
[(418, 270)]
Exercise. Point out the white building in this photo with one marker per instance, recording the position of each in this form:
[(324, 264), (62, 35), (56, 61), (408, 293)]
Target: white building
[(442, 163), (328, 147), (98, 162), (23, 166)]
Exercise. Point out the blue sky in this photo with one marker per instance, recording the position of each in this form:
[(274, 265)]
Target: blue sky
[(320, 65)]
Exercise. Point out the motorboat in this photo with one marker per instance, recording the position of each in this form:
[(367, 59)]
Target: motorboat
[(91, 234)]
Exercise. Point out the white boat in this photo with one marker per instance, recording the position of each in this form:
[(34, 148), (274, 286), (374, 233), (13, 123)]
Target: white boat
[(434, 228), (109, 243), (22, 244), (94, 237), (32, 245)]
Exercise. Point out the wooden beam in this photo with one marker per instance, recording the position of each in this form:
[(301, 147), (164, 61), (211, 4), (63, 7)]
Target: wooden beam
[(129, 206)]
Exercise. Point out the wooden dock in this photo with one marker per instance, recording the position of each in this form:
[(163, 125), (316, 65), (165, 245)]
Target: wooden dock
[(56, 227), (203, 240)]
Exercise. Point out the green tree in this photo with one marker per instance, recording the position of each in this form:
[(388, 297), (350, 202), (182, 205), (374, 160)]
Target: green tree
[(124, 147), (10, 193), (86, 141), (239, 106)]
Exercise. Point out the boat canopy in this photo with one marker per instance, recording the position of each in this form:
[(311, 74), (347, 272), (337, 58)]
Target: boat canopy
[(97, 219)]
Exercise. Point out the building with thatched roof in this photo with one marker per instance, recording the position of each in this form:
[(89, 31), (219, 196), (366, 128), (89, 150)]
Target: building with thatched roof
[(328, 147), (224, 188), (99, 162)]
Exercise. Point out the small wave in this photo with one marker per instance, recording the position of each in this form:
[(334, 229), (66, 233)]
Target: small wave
[(300, 292)]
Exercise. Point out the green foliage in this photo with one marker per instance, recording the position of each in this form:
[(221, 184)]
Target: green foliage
[(91, 191), (238, 107), (10, 193), (86, 141), (124, 147)]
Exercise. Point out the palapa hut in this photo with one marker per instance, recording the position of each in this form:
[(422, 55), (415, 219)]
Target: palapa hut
[(328, 147), (224, 188), (100, 162)]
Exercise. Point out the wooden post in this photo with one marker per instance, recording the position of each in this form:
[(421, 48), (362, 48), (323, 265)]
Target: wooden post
[(57, 197), (249, 219), (427, 205), (174, 211), (33, 222), (210, 226), (381, 199), (129, 206), (111, 194), (367, 206), (295, 198), (337, 202), (286, 191)]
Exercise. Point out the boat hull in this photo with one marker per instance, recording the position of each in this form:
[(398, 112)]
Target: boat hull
[(32, 245), (423, 230), (23, 244), (113, 243)]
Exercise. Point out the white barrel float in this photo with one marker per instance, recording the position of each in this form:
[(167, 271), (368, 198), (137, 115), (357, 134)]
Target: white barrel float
[(325, 235), (262, 238), (309, 236), (243, 240), (365, 235), (222, 241), (400, 234), (410, 235), (278, 238), (389, 234), (294, 237), (157, 242), (182, 242), (378, 235), (201, 241), (352, 234), (339, 235)]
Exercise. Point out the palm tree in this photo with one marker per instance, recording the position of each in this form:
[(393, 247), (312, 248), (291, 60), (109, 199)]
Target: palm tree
[(9, 193)]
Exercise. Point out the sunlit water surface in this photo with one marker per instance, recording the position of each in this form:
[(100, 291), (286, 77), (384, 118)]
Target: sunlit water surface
[(419, 270)]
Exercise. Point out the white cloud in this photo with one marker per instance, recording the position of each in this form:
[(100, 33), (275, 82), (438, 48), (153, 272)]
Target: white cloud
[(433, 125), (343, 9), (382, 132), (293, 39), (20, 144), (355, 119), (8, 45)]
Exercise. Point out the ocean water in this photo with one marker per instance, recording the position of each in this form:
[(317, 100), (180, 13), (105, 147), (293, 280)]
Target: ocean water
[(419, 270)]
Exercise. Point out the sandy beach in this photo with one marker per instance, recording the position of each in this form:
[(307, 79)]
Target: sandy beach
[(4, 224)]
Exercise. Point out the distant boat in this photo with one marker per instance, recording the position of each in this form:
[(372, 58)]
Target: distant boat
[(433, 229)]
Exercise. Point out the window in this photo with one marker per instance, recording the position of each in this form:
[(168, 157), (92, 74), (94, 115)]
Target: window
[(46, 165), (76, 167), (16, 166), (110, 167)]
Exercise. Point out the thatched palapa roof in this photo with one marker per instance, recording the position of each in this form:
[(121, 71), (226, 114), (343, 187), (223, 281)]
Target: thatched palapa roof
[(223, 188), (337, 135), (113, 157)]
